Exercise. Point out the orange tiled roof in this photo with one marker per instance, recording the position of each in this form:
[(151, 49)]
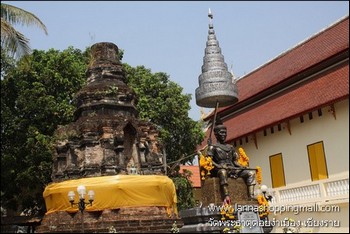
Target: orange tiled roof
[(320, 92), (325, 89), (195, 178)]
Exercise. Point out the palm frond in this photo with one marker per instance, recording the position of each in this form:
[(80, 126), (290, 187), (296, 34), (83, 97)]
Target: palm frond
[(14, 41), (15, 15)]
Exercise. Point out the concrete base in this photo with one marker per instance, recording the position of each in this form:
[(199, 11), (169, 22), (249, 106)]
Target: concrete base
[(197, 219)]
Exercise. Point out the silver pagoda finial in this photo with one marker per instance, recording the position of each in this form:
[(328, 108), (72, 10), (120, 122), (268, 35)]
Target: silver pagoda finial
[(215, 83)]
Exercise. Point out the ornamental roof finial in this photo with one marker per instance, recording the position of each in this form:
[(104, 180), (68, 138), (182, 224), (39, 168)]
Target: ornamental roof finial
[(216, 87), (210, 15)]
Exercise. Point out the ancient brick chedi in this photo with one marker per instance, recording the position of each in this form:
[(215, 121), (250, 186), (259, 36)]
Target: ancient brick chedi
[(106, 137), (105, 143)]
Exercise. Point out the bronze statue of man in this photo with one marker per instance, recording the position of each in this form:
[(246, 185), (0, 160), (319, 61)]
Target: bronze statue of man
[(225, 161)]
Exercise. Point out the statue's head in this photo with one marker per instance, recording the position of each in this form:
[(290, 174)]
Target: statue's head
[(220, 130), (219, 127), (218, 124)]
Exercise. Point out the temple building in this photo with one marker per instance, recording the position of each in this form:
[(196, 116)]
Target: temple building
[(292, 119)]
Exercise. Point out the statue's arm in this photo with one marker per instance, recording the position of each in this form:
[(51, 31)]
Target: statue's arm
[(235, 160), (216, 165), (210, 153)]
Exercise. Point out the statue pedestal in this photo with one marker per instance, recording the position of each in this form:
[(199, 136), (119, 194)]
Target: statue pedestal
[(211, 191), (207, 218)]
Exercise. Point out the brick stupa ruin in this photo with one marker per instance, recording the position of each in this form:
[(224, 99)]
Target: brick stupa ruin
[(104, 148), (106, 138)]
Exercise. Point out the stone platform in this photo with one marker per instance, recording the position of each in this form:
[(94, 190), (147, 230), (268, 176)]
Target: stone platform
[(124, 220), (211, 191)]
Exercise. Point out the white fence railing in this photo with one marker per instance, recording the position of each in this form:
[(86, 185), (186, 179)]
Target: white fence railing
[(317, 191)]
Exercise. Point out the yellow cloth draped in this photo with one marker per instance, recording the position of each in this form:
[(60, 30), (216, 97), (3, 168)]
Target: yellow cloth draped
[(112, 192)]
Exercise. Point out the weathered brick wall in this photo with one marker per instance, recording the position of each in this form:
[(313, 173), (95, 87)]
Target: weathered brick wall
[(136, 219)]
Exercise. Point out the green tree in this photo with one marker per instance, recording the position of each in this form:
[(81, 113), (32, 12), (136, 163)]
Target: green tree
[(184, 189), (36, 96), (15, 42)]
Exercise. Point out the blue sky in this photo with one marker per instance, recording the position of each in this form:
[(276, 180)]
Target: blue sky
[(170, 36)]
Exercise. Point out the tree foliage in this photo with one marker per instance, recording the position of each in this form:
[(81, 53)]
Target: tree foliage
[(184, 189), (37, 95), (15, 42)]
